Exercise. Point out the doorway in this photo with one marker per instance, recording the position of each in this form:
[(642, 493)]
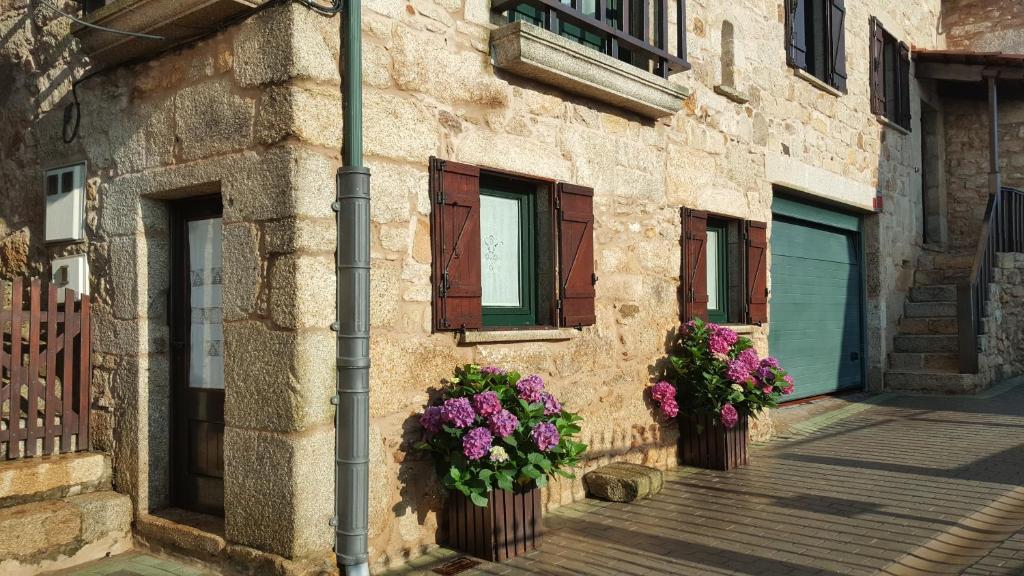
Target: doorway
[(197, 356)]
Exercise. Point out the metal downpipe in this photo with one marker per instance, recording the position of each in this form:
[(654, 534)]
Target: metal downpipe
[(352, 419)]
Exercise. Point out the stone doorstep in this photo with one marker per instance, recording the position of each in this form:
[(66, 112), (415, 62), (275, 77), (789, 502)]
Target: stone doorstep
[(53, 477), (199, 539), (623, 482), (56, 534)]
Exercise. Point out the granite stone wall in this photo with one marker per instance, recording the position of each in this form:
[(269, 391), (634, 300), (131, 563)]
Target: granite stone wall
[(983, 25)]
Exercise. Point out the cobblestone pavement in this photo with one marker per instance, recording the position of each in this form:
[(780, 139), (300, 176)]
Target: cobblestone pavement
[(899, 485)]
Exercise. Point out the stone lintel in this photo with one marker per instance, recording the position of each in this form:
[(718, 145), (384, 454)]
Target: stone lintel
[(500, 336), (531, 51)]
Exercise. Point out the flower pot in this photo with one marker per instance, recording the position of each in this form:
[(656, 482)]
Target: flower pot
[(508, 527), (705, 443)]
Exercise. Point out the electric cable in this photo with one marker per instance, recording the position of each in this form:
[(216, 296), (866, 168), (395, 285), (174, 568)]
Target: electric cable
[(97, 26)]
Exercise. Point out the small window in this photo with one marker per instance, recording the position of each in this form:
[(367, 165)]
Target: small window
[(510, 251), (508, 232), (816, 32), (723, 278), (890, 76)]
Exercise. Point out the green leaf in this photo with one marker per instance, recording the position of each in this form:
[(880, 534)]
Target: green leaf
[(504, 481), (478, 499), (530, 471), (455, 474), (421, 445), (535, 458), (485, 475), (510, 440), (542, 481)]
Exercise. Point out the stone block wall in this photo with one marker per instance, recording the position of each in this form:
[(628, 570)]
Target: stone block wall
[(1002, 345), (983, 25)]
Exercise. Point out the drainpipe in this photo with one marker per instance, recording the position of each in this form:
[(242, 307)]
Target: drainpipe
[(352, 419)]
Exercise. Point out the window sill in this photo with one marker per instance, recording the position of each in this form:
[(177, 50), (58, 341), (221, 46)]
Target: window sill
[(175, 20), (732, 93), (533, 52), (742, 329), (890, 124), (504, 336), (817, 82)]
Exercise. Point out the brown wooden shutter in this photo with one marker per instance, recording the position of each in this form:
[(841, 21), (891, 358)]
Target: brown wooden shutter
[(796, 33), (904, 91), (837, 34), (756, 236), (576, 255), (455, 234), (877, 68), (694, 281)]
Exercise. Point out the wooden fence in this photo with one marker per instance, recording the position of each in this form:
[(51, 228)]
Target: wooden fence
[(45, 370)]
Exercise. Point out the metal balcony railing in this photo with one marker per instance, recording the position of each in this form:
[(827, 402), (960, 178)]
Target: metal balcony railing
[(634, 31)]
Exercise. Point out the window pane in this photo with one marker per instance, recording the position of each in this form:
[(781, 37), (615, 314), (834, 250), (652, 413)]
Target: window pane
[(713, 287), (206, 365), (500, 254)]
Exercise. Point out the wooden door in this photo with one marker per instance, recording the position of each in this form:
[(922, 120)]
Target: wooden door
[(197, 343)]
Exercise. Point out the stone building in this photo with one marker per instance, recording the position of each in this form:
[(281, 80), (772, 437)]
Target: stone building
[(779, 165)]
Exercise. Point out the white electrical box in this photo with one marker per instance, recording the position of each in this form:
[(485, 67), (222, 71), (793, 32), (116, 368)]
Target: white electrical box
[(70, 272), (65, 203)]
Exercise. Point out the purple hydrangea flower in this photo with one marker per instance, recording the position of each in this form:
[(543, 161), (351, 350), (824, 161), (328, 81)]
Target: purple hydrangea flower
[(493, 371), (503, 423), (545, 436), (729, 416), (771, 362), (530, 388), (765, 376), (750, 359), (458, 412), (551, 404), (431, 419), (662, 390), (670, 408), (477, 443), (737, 371), (487, 403)]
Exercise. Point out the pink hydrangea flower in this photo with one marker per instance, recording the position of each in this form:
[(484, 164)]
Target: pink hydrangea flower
[(477, 443), (530, 388), (768, 389), (551, 404), (662, 390), (729, 416), (431, 419), (788, 390), (738, 371), (730, 336), (718, 345), (545, 436), (670, 408), (503, 424), (487, 403), (458, 412), (749, 358), (493, 371)]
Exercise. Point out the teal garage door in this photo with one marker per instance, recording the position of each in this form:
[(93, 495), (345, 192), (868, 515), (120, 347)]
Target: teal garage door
[(816, 303)]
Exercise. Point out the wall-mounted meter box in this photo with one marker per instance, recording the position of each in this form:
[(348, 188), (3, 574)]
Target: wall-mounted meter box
[(65, 203), (70, 272)]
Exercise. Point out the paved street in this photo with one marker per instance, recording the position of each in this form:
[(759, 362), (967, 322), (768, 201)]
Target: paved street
[(904, 485)]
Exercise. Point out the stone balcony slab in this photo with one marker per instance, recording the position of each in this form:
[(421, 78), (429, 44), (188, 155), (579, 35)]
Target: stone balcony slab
[(533, 52)]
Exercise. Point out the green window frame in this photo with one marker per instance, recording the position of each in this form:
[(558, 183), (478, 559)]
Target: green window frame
[(526, 313), (720, 232)]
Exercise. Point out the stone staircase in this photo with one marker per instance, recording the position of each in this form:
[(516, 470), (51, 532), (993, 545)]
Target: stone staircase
[(60, 511), (925, 355)]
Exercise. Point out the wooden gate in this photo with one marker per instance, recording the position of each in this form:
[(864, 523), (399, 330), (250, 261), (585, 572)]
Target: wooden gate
[(45, 370)]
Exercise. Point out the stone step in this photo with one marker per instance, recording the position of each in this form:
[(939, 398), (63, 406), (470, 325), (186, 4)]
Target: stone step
[(926, 344), (925, 277), (933, 293), (931, 382), (36, 479), (930, 309), (928, 326), (57, 534), (623, 482), (950, 261), (918, 361)]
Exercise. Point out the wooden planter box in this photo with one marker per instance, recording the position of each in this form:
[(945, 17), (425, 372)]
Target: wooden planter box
[(508, 527), (705, 443)]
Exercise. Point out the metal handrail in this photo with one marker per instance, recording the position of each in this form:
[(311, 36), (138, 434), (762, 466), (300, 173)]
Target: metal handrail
[(1002, 231), (653, 46)]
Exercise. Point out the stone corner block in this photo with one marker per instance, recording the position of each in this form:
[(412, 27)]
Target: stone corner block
[(533, 52), (623, 482)]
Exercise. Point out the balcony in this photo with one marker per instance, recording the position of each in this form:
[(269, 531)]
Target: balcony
[(621, 52), (177, 21)]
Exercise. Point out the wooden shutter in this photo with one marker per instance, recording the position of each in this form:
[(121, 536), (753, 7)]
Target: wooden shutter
[(756, 237), (904, 91), (837, 34), (877, 68), (694, 280), (796, 33), (575, 206), (455, 234)]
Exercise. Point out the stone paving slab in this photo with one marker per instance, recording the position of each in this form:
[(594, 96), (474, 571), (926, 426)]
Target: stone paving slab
[(134, 564), (900, 484)]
